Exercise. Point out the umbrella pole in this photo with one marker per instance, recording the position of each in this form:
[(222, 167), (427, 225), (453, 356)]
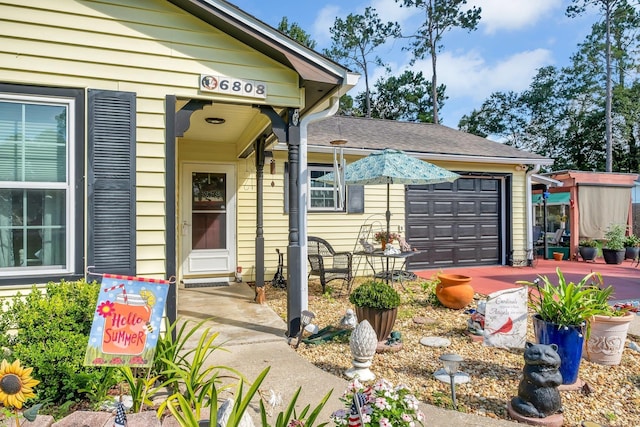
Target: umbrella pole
[(388, 217)]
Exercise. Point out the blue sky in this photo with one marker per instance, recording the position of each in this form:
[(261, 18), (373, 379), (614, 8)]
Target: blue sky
[(514, 39)]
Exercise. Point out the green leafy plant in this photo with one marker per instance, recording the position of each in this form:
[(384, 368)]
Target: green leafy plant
[(632, 241), (588, 243), (170, 348), (190, 375), (187, 412), (140, 387), (375, 294), (56, 353), (290, 417), (615, 237), (429, 287), (98, 384), (568, 303)]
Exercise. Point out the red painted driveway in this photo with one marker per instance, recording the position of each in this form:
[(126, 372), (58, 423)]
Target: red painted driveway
[(625, 278)]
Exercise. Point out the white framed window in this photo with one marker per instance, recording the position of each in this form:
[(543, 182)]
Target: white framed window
[(37, 176), (322, 195)]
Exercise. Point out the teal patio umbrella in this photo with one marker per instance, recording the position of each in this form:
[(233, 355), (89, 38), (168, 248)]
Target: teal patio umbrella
[(391, 166)]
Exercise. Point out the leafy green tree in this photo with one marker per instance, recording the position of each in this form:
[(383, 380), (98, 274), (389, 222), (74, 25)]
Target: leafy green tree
[(296, 32), (607, 8), (562, 113), (590, 82), (440, 17), (354, 41), (501, 116), (406, 97)]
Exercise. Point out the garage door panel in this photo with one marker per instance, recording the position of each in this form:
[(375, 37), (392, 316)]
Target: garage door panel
[(443, 232), (489, 208), (454, 223), (467, 208), (489, 185), (443, 208), (466, 185)]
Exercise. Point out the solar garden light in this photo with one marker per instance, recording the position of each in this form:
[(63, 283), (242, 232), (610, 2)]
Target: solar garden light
[(451, 364), (305, 319)]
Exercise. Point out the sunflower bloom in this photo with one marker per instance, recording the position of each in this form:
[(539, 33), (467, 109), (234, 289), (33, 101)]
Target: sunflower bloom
[(16, 384)]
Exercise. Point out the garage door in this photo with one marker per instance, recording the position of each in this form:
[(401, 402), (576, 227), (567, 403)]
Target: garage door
[(455, 224)]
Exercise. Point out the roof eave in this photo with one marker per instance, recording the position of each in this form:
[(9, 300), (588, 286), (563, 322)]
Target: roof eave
[(434, 156)]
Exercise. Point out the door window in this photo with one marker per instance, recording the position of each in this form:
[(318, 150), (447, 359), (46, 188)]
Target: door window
[(209, 210)]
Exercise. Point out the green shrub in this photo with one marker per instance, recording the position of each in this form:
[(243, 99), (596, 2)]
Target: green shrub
[(49, 330), (588, 243), (615, 237), (375, 294), (632, 241)]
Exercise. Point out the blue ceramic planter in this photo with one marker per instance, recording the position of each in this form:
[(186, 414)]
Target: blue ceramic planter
[(569, 340)]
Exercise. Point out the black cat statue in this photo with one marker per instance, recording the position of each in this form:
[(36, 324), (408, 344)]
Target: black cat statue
[(538, 395)]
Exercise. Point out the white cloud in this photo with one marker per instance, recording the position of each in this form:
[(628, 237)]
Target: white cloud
[(389, 10), (323, 22), (470, 76), (515, 14)]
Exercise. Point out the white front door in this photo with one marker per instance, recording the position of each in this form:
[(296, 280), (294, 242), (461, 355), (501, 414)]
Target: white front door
[(208, 220)]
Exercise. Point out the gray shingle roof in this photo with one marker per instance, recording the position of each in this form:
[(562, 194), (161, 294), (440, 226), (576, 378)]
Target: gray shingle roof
[(424, 138)]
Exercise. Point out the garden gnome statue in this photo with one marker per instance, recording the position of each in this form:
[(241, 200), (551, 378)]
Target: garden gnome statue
[(538, 395), (363, 344)]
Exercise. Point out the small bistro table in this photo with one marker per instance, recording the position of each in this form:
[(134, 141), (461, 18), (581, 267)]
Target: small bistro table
[(378, 261)]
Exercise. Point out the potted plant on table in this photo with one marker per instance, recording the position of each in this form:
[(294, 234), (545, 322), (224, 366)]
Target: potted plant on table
[(632, 247), (613, 249), (563, 312), (588, 249), (383, 238), (378, 303)]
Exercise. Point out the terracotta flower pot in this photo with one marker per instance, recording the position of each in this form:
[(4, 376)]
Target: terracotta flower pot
[(558, 256), (607, 339), (454, 290)]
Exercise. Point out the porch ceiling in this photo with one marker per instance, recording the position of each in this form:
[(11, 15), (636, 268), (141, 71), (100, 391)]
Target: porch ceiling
[(242, 124)]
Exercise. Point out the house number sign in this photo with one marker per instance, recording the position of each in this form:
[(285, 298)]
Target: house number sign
[(232, 86)]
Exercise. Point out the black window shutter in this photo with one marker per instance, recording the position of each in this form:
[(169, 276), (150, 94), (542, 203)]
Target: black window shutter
[(111, 246), (355, 198)]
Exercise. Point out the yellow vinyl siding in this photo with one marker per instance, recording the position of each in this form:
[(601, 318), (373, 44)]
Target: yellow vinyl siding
[(210, 151), (340, 228)]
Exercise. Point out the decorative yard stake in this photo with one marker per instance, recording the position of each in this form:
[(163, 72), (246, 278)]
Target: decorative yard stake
[(126, 323), (16, 386), (363, 344)]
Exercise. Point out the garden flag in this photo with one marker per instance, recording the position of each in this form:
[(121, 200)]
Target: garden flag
[(505, 318), (355, 413), (126, 323)]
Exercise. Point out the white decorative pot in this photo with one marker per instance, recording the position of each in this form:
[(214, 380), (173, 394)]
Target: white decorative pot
[(607, 339)]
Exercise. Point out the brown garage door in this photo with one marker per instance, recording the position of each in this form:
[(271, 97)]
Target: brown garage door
[(455, 224)]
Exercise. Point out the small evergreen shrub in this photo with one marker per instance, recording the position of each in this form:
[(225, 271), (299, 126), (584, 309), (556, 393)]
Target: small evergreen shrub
[(49, 330), (375, 294)]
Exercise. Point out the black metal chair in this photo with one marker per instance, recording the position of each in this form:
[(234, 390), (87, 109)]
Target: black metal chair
[(328, 264)]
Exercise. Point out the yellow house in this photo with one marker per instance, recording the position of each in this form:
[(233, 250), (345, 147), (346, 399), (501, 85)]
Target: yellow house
[(182, 138), (128, 133)]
